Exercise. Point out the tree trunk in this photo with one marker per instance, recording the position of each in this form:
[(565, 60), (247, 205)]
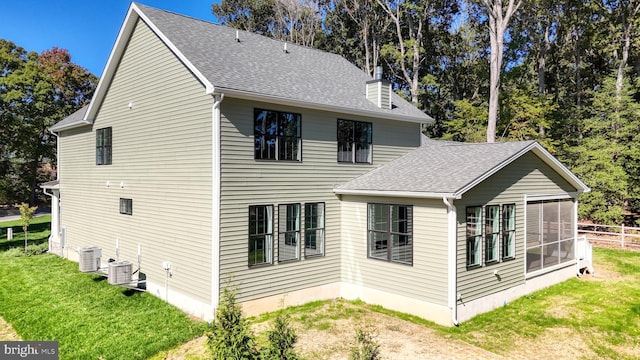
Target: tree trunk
[(495, 65), (542, 68), (498, 22)]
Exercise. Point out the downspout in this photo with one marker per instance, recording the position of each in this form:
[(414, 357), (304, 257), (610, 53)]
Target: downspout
[(55, 200), (452, 258), (215, 199)]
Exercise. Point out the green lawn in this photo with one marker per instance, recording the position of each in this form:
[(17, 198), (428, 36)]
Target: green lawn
[(605, 313), (39, 231), (45, 297)]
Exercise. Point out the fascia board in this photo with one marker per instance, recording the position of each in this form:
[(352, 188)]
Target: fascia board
[(122, 40), (56, 128), (397, 194), (315, 106)]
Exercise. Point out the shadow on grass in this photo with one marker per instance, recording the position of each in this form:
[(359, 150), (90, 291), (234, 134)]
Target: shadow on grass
[(6, 245)]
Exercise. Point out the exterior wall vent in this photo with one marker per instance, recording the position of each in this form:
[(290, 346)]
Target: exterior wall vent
[(89, 258), (119, 272)]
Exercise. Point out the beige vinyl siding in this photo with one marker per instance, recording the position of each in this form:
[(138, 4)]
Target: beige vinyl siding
[(528, 175), (245, 182), (162, 154), (426, 279)]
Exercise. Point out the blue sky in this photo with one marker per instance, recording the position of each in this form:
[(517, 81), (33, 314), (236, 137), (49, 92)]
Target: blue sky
[(88, 29)]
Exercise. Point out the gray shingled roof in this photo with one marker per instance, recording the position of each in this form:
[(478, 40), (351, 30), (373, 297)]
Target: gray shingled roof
[(73, 120), (258, 65), (443, 168)]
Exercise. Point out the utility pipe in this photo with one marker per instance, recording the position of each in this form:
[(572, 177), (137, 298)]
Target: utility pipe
[(452, 254)]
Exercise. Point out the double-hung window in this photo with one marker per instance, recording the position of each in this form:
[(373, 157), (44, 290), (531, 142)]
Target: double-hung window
[(313, 229), (277, 135), (390, 229), (260, 234), (508, 231), (474, 236), (492, 233), (289, 232), (103, 146), (354, 141)]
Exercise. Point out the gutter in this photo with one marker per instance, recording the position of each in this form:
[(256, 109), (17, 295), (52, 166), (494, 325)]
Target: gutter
[(452, 265), (215, 197), (389, 114), (391, 193)]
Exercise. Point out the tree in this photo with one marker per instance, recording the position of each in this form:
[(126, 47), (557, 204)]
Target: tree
[(26, 214), (36, 91), (281, 338), (407, 55), (607, 155), (230, 337), (249, 15), (498, 18)]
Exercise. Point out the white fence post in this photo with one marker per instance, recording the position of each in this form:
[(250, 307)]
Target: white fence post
[(623, 235)]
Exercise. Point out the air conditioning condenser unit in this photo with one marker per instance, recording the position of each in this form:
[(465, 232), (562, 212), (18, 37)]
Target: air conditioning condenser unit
[(119, 272), (89, 258)]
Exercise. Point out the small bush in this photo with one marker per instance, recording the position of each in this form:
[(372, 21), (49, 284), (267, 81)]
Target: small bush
[(230, 337), (281, 337), (31, 250), (365, 347), (37, 249)]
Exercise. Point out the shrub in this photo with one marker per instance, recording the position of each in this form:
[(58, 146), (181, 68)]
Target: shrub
[(230, 337), (281, 337), (365, 347)]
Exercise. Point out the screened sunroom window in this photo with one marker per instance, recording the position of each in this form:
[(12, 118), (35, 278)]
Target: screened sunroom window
[(474, 236), (289, 232), (550, 233), (260, 234), (313, 229)]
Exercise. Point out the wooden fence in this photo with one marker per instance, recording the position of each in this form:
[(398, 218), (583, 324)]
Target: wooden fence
[(624, 236)]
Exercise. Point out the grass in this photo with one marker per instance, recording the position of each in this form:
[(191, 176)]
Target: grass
[(39, 231), (605, 314), (46, 298)]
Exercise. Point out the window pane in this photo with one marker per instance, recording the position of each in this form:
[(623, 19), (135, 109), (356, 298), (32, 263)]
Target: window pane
[(492, 223), (508, 230), (378, 245), (260, 234), (289, 232), (402, 249), (474, 235), (314, 229), (378, 217), (354, 141)]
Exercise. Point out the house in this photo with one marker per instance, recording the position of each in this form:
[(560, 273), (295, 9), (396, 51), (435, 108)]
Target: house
[(211, 156)]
